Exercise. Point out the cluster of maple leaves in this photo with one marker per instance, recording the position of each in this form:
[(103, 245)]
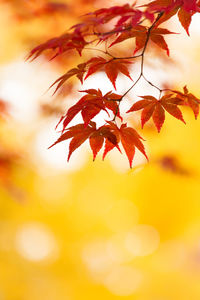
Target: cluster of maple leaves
[(112, 26)]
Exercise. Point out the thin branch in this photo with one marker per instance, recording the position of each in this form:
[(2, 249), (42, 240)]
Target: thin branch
[(132, 86), (95, 49), (142, 58), (149, 82), (114, 57)]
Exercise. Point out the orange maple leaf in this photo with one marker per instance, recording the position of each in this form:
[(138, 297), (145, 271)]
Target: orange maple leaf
[(112, 68), (152, 107), (91, 104), (140, 33), (189, 100)]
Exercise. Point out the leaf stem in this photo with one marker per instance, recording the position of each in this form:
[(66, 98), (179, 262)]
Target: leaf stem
[(142, 58), (142, 55)]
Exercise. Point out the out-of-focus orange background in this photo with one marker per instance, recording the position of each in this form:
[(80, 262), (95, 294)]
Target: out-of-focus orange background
[(85, 230)]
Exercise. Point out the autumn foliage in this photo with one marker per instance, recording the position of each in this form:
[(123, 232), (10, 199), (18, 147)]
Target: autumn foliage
[(109, 27)]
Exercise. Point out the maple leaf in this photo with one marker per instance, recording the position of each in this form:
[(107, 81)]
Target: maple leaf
[(61, 44), (134, 32), (189, 100), (80, 133), (96, 143), (129, 139), (112, 67), (124, 12), (104, 133), (152, 107), (185, 8), (108, 133), (90, 105), (185, 13), (132, 18), (166, 9), (140, 33), (111, 102), (162, 5), (79, 72)]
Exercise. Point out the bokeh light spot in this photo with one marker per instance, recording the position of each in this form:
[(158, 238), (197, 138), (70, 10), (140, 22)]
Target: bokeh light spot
[(142, 240), (35, 242)]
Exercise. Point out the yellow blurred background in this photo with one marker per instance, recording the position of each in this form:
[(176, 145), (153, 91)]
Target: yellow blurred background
[(85, 230)]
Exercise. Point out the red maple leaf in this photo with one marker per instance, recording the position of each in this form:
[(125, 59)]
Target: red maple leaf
[(189, 100), (124, 13), (129, 139), (91, 104), (97, 139), (61, 44), (185, 13), (140, 32), (78, 72), (112, 68), (152, 107), (108, 133), (162, 5), (186, 9), (80, 133)]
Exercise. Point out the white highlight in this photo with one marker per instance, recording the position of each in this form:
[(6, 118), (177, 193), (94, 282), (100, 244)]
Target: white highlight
[(34, 242)]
